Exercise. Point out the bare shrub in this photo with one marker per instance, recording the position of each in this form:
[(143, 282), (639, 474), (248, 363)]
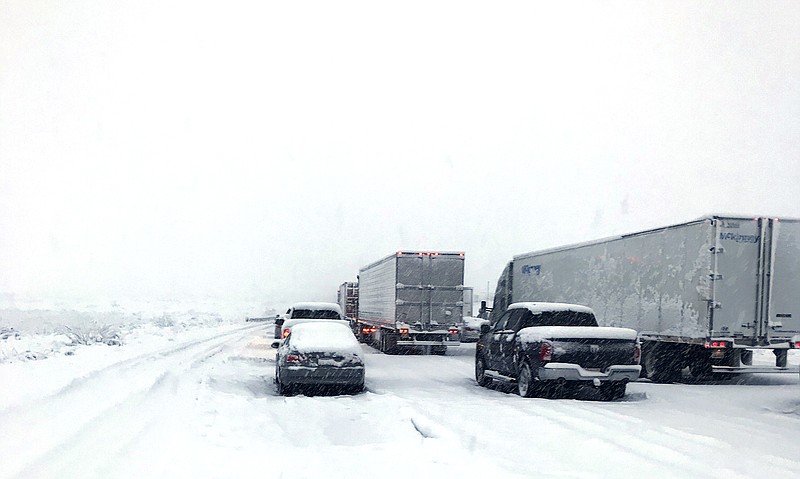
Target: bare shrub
[(6, 332), (92, 334)]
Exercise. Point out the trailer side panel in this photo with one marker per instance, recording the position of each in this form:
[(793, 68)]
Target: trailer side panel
[(656, 282), (376, 290)]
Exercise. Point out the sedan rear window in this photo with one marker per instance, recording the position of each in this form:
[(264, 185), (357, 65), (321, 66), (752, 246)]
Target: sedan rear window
[(315, 314)]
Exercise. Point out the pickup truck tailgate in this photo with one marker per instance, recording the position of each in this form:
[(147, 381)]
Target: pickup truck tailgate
[(593, 353)]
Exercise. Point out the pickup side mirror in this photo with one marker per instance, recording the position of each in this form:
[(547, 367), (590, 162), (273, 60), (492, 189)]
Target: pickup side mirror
[(484, 328), (276, 344)]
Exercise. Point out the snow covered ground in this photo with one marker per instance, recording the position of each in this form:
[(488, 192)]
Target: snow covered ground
[(194, 397)]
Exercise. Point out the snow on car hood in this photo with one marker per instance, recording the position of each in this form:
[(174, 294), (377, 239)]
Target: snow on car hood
[(537, 333)]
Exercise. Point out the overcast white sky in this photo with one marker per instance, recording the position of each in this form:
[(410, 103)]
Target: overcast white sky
[(266, 150)]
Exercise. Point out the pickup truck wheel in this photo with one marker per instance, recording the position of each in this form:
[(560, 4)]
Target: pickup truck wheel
[(613, 391), (526, 386), (480, 373)]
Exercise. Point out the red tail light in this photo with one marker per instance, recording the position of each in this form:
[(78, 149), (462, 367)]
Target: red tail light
[(546, 352), (285, 333), (637, 354), (797, 344), (294, 358), (717, 344), (453, 330), (403, 330)]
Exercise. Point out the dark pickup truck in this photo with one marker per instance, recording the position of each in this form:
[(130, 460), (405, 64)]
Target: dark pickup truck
[(547, 347)]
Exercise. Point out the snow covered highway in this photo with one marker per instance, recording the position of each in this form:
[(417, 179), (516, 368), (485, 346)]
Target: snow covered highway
[(202, 403)]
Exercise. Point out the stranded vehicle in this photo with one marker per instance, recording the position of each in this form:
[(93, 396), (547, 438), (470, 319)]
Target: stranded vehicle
[(320, 354), (411, 300), (308, 310), (703, 294), (549, 347)]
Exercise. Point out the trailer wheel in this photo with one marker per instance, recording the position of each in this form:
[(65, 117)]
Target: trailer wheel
[(662, 363), (480, 373), (700, 366), (388, 343)]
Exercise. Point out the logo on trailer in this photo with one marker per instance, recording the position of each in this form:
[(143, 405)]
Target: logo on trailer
[(532, 269), (738, 238)]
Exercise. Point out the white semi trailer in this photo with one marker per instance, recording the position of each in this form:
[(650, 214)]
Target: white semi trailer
[(703, 294), (411, 300)]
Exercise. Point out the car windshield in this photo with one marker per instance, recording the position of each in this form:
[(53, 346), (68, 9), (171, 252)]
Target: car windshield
[(315, 314)]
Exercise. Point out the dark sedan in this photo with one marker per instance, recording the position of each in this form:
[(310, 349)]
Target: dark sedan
[(319, 356)]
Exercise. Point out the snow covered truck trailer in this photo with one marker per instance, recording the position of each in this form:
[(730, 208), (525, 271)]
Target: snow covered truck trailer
[(411, 300), (348, 299), (705, 294)]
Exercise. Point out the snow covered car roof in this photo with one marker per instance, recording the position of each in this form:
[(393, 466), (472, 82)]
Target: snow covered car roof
[(475, 322), (317, 306), (536, 307)]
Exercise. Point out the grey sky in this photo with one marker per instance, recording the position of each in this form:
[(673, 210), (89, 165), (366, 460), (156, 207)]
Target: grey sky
[(265, 151)]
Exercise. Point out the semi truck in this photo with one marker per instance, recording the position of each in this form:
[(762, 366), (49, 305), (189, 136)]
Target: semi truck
[(468, 298), (705, 294), (411, 300), (348, 299)]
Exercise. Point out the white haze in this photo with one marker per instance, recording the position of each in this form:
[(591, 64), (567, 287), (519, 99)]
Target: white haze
[(264, 151)]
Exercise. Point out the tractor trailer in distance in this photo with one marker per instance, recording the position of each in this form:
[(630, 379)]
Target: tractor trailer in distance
[(411, 300), (704, 294), (347, 297)]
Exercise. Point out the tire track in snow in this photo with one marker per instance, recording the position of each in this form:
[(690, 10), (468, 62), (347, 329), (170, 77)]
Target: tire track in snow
[(74, 417), (135, 361)]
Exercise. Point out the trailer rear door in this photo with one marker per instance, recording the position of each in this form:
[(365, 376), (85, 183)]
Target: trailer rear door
[(735, 279), (784, 308), (429, 293)]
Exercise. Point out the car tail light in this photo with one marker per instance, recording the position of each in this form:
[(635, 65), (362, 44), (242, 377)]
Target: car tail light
[(796, 344), (546, 352), (717, 344), (294, 358), (285, 333), (403, 330), (453, 330), (637, 354)]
